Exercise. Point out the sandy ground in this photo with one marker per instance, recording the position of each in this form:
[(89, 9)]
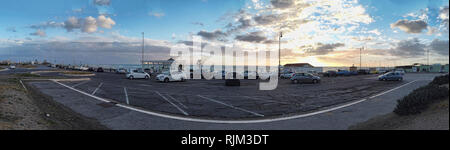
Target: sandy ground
[(436, 117), (22, 109)]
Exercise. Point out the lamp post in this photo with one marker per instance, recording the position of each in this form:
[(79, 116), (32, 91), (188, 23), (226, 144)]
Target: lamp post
[(279, 53), (142, 59)]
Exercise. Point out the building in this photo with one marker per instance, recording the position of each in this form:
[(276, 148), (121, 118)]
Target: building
[(301, 68), (424, 68)]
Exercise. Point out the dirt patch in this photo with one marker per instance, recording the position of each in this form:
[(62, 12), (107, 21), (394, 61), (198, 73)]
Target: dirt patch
[(32, 110), (436, 117)]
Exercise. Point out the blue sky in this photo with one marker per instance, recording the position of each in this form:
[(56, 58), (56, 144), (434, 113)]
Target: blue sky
[(323, 33)]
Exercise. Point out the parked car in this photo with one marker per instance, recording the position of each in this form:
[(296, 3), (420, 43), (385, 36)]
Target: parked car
[(170, 77), (251, 73), (12, 67), (391, 76), (305, 78), (402, 72), (286, 75), (82, 68), (330, 74), (363, 72), (373, 72), (100, 69), (344, 73), (121, 71), (137, 74)]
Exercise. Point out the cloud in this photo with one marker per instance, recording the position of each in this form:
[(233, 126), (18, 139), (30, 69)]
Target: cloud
[(11, 29), (282, 4), (215, 35), (105, 22), (71, 24), (88, 24), (414, 26), (156, 14), (321, 49), (198, 23), (48, 24), (254, 37), (444, 15), (408, 48), (440, 47), (39, 32), (102, 2)]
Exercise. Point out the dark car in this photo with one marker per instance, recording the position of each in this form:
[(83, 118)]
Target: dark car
[(305, 78), (100, 69), (330, 74), (363, 72), (344, 73)]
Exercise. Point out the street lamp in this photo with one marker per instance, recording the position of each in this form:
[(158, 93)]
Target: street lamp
[(279, 53)]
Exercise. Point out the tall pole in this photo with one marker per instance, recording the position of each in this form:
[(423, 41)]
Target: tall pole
[(360, 64), (279, 53), (428, 60), (142, 59)]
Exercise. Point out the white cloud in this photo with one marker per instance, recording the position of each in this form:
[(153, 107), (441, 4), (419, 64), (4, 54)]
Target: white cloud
[(105, 22), (413, 26), (39, 32), (156, 14)]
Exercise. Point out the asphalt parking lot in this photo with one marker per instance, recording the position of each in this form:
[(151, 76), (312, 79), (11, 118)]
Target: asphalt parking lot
[(211, 99)]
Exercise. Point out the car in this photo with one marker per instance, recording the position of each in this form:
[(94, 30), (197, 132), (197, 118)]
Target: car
[(373, 72), (121, 71), (344, 73), (390, 76), (305, 78), (363, 72), (82, 68), (137, 74), (252, 74), (12, 67), (170, 77), (286, 75), (402, 72), (330, 74), (100, 69)]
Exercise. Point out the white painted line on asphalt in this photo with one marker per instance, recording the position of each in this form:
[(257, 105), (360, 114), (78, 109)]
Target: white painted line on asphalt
[(80, 83), (181, 110), (84, 93), (266, 100), (23, 86), (231, 106), (392, 89), (177, 101), (126, 95), (95, 91), (212, 120), (6, 69)]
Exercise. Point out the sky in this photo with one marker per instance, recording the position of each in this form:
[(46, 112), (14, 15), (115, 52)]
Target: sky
[(322, 33)]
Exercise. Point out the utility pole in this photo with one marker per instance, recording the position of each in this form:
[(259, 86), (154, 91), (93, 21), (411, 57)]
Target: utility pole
[(279, 53), (143, 45), (360, 57), (428, 60)]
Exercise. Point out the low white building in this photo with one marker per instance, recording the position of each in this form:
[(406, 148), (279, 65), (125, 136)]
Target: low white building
[(301, 68)]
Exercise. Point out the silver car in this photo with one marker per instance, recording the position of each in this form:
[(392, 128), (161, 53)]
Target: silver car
[(305, 78)]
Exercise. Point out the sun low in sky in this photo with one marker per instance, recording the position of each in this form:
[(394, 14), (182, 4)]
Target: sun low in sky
[(323, 33)]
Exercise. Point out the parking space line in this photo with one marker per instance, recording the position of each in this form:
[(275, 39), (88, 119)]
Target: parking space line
[(261, 99), (213, 120), (165, 98), (93, 93), (26, 90), (177, 101), (80, 83), (231, 106), (126, 95)]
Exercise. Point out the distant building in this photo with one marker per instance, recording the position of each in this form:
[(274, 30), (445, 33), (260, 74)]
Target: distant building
[(424, 68), (302, 68)]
